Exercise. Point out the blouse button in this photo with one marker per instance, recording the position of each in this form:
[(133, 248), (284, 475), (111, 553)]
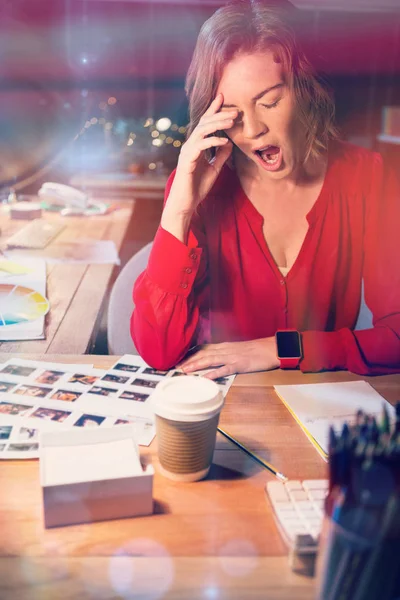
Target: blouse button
[(193, 255), (282, 282), (184, 285), (188, 270)]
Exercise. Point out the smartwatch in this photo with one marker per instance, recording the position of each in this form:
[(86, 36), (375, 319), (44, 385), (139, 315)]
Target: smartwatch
[(289, 348)]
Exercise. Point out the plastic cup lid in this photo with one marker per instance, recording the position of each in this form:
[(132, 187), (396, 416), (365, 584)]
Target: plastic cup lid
[(187, 398)]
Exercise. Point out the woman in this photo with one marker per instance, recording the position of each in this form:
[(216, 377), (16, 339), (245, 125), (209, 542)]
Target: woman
[(270, 223)]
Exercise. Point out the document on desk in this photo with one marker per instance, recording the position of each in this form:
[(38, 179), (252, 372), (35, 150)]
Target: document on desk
[(317, 406), (23, 302), (36, 395), (98, 252)]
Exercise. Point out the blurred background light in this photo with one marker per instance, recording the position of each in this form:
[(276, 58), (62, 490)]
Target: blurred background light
[(163, 124)]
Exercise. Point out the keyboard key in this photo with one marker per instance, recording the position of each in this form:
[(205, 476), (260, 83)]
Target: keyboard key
[(278, 492), (293, 485), (304, 506), (315, 484), (298, 495), (317, 494)]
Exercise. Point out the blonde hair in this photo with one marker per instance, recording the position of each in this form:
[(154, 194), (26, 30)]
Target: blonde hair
[(250, 26)]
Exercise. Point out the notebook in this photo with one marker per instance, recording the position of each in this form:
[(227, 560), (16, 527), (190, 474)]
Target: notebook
[(317, 406)]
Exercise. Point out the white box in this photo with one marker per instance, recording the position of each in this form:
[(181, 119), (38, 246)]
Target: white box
[(93, 475)]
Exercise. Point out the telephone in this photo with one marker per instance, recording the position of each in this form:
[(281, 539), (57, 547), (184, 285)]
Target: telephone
[(63, 195)]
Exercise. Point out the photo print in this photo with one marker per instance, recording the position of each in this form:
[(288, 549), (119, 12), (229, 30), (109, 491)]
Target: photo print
[(18, 370), (32, 390), (115, 378), (27, 433), (148, 383), (49, 377), (7, 386), (102, 391), (65, 395), (128, 395), (50, 414), (83, 379), (9, 408), (89, 421), (181, 373), (150, 371), (23, 447), (125, 367), (5, 431)]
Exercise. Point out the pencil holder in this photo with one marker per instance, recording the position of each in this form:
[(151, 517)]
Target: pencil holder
[(359, 552)]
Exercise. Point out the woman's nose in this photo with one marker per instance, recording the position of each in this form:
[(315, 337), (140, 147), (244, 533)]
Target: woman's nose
[(253, 127)]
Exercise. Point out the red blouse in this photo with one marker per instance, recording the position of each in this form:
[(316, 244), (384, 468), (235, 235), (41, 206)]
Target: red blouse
[(224, 284)]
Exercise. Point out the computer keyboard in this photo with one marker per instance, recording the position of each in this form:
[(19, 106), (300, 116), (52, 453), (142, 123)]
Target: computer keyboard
[(35, 235), (298, 508)]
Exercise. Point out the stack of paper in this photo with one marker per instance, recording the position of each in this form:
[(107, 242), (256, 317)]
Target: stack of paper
[(93, 475), (23, 302), (317, 406)]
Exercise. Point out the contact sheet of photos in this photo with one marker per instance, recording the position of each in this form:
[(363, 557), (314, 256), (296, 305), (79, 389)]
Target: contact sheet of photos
[(37, 395)]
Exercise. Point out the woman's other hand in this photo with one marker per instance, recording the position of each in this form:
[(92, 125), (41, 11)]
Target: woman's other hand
[(233, 357), (195, 175)]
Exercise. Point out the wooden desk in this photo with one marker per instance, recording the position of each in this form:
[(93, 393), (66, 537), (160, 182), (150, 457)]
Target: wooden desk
[(212, 539), (77, 292), (149, 186)]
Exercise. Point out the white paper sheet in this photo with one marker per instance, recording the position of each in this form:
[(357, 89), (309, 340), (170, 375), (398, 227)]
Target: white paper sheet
[(320, 405), (91, 462)]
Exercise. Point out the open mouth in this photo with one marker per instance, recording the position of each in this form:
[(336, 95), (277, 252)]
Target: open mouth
[(270, 157), (270, 154)]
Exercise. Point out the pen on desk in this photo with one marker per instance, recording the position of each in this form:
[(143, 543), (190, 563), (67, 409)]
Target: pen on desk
[(254, 456)]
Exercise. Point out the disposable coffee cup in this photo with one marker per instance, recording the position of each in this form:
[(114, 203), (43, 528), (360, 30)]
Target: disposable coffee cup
[(187, 412)]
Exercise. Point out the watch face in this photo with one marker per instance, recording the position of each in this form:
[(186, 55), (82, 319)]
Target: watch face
[(288, 343)]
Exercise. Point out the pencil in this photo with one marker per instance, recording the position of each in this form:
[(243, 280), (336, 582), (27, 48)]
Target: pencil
[(254, 456)]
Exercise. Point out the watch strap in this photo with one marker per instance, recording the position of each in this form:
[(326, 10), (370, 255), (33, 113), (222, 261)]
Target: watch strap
[(289, 363)]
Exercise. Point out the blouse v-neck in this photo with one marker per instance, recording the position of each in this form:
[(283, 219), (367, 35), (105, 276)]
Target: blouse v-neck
[(244, 203)]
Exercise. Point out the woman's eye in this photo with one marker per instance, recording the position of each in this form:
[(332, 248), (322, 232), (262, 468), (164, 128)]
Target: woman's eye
[(271, 105)]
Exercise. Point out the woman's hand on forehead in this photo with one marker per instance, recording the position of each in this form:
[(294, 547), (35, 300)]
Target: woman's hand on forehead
[(195, 175)]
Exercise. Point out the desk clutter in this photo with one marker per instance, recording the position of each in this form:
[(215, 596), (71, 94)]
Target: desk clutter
[(69, 200), (23, 302), (360, 540), (33, 241), (318, 406), (91, 470), (359, 537), (41, 396), (25, 210), (35, 235), (94, 475)]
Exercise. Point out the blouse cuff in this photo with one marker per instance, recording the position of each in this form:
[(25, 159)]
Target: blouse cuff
[(322, 350), (172, 265)]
